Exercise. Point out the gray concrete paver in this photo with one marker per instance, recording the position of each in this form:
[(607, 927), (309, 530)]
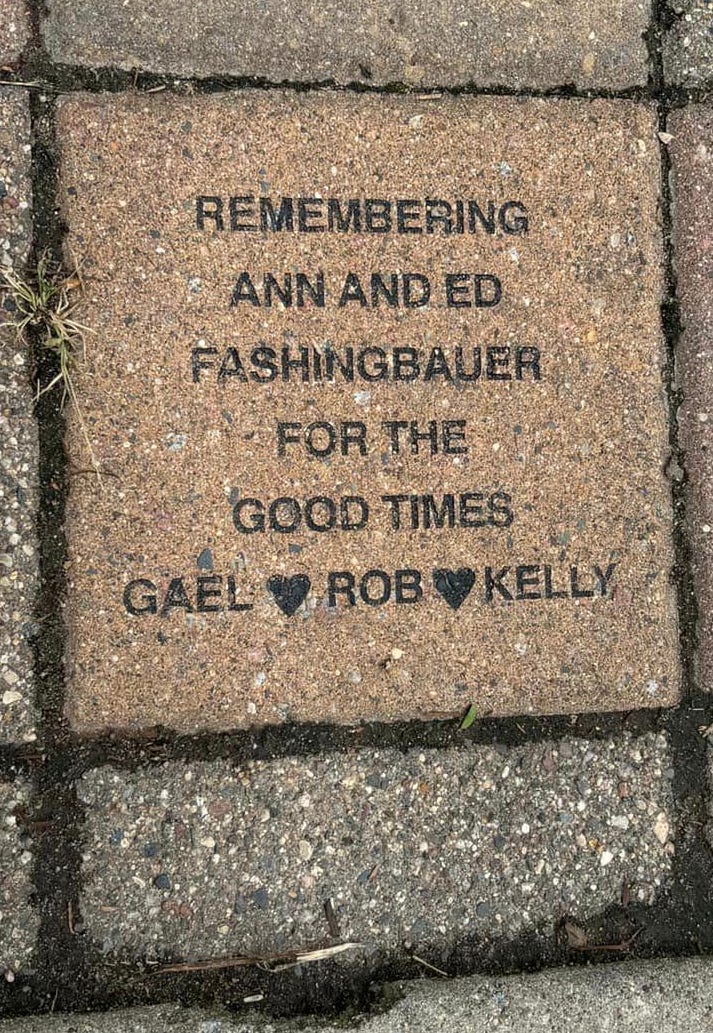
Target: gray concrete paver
[(427, 42), (425, 847), (19, 450)]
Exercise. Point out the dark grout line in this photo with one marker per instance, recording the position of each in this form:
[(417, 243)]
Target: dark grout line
[(54, 816), (19, 761), (691, 898), (77, 78), (155, 747)]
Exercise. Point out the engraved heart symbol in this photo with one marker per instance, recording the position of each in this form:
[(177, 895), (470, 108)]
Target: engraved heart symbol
[(454, 585), (289, 592)]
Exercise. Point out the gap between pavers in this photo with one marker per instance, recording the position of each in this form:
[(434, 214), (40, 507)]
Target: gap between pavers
[(638, 997)]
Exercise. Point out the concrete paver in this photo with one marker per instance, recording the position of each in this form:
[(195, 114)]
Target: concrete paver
[(18, 438), (633, 997), (14, 30), (692, 184), (19, 921), (206, 859), (427, 42), (688, 47)]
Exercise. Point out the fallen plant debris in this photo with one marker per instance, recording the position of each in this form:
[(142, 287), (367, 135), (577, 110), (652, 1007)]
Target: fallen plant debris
[(578, 939), (269, 962)]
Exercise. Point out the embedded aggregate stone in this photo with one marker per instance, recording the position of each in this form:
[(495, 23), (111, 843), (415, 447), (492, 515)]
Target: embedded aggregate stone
[(14, 30), (633, 997), (692, 186), (191, 603), (422, 43), (18, 437), (688, 46), (200, 860), (19, 921)]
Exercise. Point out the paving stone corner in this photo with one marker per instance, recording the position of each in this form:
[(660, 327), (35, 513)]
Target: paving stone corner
[(688, 43), (19, 450), (15, 31), (423, 43)]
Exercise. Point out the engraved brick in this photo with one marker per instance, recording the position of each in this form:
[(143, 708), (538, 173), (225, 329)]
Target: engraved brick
[(529, 573)]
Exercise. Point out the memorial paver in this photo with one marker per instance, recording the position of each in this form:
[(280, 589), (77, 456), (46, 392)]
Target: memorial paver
[(431, 846), (375, 391), (692, 183), (486, 42), (19, 920), (18, 437), (688, 45), (14, 31)]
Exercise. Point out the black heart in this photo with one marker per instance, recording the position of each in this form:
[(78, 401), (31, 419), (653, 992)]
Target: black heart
[(289, 592), (454, 585)]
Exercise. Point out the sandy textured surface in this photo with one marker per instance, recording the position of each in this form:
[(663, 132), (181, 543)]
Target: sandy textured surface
[(579, 450)]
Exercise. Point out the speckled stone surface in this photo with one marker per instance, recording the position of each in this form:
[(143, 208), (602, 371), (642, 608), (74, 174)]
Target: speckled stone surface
[(487, 42), (688, 44), (425, 847), (692, 185), (14, 30), (633, 997), (18, 438), (169, 545), (19, 921)]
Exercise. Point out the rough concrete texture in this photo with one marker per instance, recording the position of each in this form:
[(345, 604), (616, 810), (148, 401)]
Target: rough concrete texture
[(14, 30), (567, 462), (18, 437), (688, 46), (427, 42), (692, 185), (635, 997), (201, 860), (19, 921)]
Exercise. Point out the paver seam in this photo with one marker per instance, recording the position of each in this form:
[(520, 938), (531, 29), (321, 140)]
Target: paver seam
[(36, 67), (62, 954)]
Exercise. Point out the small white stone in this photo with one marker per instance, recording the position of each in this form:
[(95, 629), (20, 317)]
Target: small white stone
[(306, 850), (11, 697), (605, 858), (662, 828)]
